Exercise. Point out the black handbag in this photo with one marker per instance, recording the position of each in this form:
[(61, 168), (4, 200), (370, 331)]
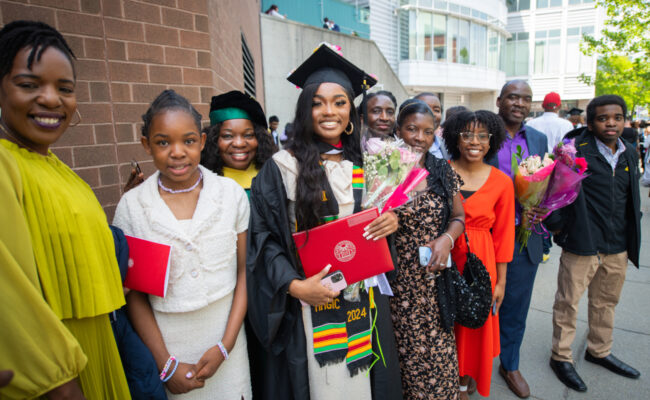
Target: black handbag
[(465, 299)]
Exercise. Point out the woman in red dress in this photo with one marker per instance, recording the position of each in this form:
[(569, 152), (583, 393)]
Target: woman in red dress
[(489, 203)]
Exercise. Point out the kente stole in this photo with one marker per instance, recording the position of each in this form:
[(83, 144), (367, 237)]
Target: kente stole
[(342, 329)]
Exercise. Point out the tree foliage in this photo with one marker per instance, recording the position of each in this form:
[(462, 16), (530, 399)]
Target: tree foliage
[(623, 76), (624, 50), (626, 29)]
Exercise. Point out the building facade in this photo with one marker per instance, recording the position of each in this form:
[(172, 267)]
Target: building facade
[(127, 53), (447, 47), (351, 16), (287, 43), (544, 48)]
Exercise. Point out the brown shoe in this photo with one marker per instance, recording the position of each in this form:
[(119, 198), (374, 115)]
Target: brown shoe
[(515, 382)]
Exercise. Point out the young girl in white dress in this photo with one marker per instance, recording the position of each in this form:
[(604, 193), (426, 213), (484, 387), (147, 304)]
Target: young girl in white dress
[(195, 332)]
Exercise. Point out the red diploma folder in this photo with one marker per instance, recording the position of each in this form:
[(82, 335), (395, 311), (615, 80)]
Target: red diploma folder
[(341, 243), (148, 266)]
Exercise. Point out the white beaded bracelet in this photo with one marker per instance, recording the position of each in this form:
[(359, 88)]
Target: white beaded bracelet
[(223, 350)]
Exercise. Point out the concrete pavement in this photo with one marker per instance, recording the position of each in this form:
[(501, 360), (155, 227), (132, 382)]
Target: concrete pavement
[(631, 336)]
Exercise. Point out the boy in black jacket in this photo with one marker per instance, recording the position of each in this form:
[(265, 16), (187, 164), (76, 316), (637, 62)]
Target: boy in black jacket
[(598, 233)]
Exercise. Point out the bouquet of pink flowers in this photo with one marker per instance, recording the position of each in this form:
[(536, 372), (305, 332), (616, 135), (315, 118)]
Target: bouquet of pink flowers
[(531, 178), (386, 164), (567, 176)]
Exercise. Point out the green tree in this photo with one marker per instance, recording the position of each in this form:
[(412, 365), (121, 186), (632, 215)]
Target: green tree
[(624, 47), (623, 76)]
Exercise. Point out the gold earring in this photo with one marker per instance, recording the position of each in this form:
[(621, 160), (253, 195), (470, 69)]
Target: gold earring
[(78, 114), (350, 130)]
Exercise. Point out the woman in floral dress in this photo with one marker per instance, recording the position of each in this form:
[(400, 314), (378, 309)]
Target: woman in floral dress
[(435, 219)]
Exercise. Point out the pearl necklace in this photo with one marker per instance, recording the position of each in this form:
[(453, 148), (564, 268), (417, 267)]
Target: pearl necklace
[(189, 189)]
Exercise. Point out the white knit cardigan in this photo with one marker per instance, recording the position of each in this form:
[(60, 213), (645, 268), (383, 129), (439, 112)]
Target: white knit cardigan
[(204, 259)]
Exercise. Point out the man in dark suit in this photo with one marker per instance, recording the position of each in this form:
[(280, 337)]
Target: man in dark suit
[(514, 106)]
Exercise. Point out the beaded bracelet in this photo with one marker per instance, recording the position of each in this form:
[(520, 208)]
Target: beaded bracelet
[(223, 350), (169, 362), (457, 220), (171, 373)]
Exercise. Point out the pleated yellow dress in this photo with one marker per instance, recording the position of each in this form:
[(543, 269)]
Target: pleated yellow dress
[(59, 280)]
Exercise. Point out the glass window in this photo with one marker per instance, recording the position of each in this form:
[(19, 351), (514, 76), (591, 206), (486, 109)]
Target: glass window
[(493, 49), (518, 5), (574, 2), (514, 55), (576, 62), (413, 49), (478, 47), (547, 47), (573, 31), (440, 4), (452, 39), (556, 3), (521, 59), (540, 46), (542, 3), (425, 36), (439, 37), (466, 11), (454, 8), (463, 41), (572, 54), (404, 23), (426, 3)]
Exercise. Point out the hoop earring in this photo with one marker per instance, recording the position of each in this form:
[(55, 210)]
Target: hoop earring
[(78, 114), (350, 130)]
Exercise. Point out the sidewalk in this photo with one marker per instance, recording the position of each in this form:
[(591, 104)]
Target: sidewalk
[(631, 336)]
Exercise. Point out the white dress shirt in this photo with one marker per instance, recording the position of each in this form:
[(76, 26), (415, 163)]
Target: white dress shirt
[(552, 126)]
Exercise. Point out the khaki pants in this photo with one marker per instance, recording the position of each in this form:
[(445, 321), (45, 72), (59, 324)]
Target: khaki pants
[(604, 276)]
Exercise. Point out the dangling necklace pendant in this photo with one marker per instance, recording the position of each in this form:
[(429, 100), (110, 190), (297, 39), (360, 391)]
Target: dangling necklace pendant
[(189, 189)]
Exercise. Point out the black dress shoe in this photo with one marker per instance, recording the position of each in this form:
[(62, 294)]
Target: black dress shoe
[(567, 374), (614, 364)]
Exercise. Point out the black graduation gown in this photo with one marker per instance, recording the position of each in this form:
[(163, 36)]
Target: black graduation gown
[(278, 353)]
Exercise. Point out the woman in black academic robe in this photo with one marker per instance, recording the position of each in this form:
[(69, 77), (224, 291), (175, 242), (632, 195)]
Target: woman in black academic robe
[(318, 162)]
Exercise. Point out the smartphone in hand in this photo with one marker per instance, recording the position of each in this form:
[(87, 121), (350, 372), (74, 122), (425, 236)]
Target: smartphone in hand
[(334, 282), (425, 255), (136, 166)]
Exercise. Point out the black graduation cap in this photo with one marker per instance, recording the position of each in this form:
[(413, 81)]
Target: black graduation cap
[(231, 104), (575, 111), (326, 65)]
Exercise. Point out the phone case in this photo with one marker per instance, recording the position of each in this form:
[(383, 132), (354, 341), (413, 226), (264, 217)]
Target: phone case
[(425, 255), (335, 282)]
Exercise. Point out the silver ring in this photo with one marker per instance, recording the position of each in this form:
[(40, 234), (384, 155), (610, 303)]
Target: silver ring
[(442, 264)]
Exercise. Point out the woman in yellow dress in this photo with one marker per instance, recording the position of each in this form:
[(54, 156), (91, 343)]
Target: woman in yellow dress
[(59, 277)]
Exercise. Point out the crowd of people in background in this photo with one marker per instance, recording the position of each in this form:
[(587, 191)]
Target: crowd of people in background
[(240, 320)]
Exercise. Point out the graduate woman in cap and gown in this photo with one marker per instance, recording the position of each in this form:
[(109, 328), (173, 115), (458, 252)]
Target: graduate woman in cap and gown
[(238, 143), (317, 179)]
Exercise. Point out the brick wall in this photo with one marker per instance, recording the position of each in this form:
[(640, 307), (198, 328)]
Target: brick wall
[(129, 51)]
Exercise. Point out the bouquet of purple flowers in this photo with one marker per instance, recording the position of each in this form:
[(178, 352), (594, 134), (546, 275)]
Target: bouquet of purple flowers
[(567, 177)]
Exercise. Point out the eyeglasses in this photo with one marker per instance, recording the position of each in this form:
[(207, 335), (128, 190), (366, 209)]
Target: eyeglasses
[(469, 136)]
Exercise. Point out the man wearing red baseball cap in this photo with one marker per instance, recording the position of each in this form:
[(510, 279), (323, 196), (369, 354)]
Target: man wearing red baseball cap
[(550, 122)]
